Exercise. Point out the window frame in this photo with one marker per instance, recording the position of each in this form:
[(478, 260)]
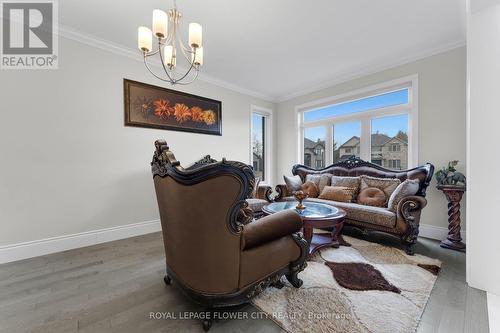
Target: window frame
[(365, 117), (268, 141)]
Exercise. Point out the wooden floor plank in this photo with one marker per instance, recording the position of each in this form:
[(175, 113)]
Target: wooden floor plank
[(113, 287)]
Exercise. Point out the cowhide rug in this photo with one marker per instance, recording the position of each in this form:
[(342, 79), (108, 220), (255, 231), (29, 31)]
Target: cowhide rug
[(366, 287)]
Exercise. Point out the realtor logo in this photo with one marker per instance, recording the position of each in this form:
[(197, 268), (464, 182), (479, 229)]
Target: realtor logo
[(29, 34)]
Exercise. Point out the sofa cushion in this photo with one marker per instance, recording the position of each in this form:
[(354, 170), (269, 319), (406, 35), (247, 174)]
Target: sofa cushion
[(372, 196), (406, 188), (311, 189), (256, 204), (338, 193), (374, 215), (321, 180), (293, 183), (388, 185)]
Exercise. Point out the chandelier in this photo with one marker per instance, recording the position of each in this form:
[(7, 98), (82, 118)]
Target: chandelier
[(170, 46)]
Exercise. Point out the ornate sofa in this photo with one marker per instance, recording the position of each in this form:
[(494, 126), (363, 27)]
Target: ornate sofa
[(259, 198), (214, 251), (403, 223)]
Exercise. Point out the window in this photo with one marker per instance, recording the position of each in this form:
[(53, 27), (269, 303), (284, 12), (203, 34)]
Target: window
[(363, 104), (395, 147), (394, 164), (260, 135), (345, 140), (375, 124), (390, 142), (314, 147), (307, 159)]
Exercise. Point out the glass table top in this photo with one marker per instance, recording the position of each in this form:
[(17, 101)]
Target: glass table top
[(313, 210)]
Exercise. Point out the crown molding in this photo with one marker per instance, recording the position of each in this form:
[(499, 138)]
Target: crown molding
[(103, 44), (106, 45), (370, 69)]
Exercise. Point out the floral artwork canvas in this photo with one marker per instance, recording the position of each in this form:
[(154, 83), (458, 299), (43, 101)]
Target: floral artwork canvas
[(157, 107)]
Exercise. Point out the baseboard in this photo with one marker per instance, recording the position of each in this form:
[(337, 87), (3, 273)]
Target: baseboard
[(433, 232), (493, 312), (19, 251)]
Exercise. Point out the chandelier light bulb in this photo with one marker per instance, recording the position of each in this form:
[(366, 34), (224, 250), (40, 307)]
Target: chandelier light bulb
[(145, 39), (168, 51), (198, 58), (160, 23), (194, 35)]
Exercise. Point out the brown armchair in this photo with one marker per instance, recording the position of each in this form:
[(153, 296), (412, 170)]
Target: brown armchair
[(213, 251)]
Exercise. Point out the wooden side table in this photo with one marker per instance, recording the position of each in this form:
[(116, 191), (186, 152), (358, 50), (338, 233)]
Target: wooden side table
[(454, 195)]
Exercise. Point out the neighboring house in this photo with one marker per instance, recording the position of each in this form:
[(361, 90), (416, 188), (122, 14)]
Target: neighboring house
[(388, 152), (395, 154), (349, 148), (314, 153)]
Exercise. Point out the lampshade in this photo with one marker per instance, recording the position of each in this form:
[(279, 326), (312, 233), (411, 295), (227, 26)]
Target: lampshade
[(145, 39)]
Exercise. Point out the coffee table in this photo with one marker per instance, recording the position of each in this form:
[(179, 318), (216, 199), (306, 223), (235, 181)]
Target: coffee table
[(315, 215)]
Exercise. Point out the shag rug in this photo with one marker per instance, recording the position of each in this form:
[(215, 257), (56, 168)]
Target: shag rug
[(365, 287)]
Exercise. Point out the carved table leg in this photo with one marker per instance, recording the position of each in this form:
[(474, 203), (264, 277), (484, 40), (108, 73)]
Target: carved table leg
[(454, 240), (308, 233)]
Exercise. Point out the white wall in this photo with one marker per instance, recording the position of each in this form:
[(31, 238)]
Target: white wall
[(483, 246), (68, 165), (442, 79)]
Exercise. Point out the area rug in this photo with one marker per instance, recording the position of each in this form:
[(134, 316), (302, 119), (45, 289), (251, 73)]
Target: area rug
[(366, 287)]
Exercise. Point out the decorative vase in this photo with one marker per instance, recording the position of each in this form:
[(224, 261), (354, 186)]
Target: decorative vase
[(300, 196), (453, 194)]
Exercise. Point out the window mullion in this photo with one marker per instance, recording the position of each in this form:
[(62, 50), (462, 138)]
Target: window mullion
[(365, 142), (329, 145)]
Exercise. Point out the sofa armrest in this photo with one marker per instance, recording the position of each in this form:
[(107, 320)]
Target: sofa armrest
[(409, 206), (408, 212), (270, 228), (283, 191), (264, 192)]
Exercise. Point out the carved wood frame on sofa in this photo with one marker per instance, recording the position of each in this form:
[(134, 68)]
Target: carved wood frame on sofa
[(408, 210), (215, 251)]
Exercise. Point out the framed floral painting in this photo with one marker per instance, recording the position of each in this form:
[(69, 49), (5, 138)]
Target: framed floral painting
[(157, 107)]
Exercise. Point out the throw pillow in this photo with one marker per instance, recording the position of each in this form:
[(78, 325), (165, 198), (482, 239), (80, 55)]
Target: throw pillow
[(406, 188), (293, 183), (311, 189), (372, 196), (346, 182), (321, 180), (338, 193), (256, 187), (388, 185)]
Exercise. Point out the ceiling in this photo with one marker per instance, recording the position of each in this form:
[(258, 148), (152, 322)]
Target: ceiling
[(281, 48)]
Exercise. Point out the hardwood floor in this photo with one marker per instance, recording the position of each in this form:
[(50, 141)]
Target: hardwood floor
[(113, 287)]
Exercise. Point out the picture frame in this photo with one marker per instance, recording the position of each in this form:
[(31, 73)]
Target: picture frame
[(151, 106)]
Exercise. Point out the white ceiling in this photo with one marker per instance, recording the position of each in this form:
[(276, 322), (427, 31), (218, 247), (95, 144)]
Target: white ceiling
[(279, 48)]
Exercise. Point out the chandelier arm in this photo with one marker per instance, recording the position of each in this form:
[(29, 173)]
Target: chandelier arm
[(152, 53), (186, 74), (185, 50), (154, 74), (190, 68), (194, 79)]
